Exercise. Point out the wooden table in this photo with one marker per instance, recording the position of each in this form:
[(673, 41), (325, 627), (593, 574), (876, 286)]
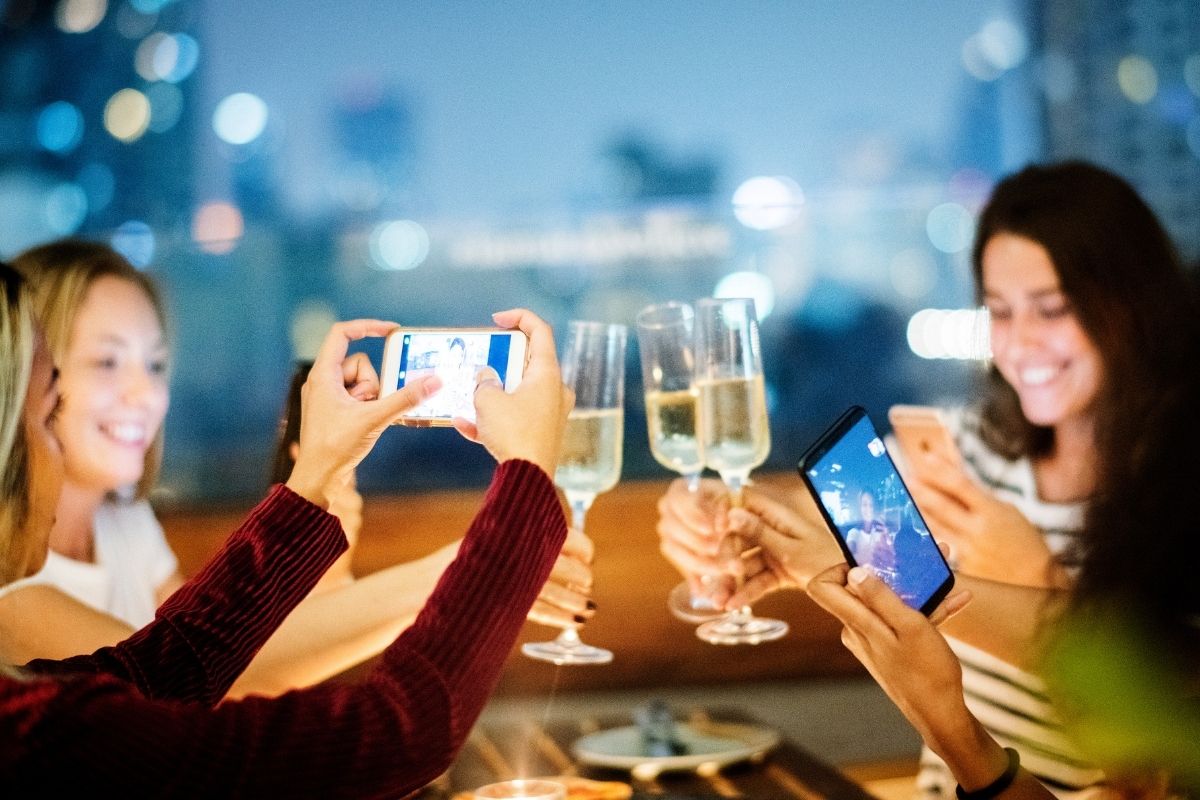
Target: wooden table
[(495, 753)]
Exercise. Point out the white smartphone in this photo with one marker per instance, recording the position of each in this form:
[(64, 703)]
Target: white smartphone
[(923, 429), (455, 355)]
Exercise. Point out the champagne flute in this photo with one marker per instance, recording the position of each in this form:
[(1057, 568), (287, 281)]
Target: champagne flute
[(593, 365), (734, 434), (666, 342)]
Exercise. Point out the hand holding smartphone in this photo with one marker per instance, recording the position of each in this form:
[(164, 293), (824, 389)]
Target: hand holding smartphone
[(868, 509), (455, 355), (921, 430)]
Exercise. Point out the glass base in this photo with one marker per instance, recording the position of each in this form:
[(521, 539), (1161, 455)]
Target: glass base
[(567, 649), (692, 610), (741, 627)]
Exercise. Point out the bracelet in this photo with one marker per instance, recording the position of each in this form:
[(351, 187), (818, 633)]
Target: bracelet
[(997, 786)]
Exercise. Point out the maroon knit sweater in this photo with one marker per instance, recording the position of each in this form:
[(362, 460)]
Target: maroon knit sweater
[(138, 719)]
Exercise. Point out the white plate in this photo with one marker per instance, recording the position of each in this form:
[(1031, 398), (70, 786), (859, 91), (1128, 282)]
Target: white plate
[(709, 745)]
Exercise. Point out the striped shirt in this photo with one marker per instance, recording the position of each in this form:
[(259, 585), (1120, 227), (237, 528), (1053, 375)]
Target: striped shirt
[(1011, 703)]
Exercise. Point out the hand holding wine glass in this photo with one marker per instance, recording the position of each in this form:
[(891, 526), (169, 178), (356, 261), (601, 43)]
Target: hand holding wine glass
[(734, 436), (666, 343), (593, 366)]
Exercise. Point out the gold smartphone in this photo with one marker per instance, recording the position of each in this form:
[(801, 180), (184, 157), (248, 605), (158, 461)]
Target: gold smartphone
[(923, 429)]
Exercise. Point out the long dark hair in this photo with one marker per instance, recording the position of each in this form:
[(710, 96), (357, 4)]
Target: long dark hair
[(1128, 289), (289, 425)]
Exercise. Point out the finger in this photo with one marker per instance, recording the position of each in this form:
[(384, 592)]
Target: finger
[(545, 614), (703, 544), (950, 606), (829, 593), (468, 429), (753, 589), (560, 596), (541, 337), (579, 545), (487, 389), (333, 349), (388, 409), (359, 377), (569, 571), (729, 554), (686, 561), (942, 511), (880, 599), (942, 476)]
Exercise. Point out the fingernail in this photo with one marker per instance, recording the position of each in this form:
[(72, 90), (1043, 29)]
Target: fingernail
[(857, 575), (591, 606), (580, 618)]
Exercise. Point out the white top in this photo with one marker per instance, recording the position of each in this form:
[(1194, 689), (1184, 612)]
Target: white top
[(1009, 702), (132, 560)]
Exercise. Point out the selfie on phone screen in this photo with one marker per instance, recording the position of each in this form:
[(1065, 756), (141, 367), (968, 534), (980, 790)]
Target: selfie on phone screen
[(456, 359), (865, 500)]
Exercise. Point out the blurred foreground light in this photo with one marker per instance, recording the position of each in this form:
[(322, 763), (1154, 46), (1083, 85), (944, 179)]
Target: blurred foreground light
[(1191, 73), (135, 240), (143, 57), (976, 62), (166, 106), (79, 16), (127, 115), (1003, 44), (913, 273), (240, 118), (150, 6), (1138, 79), (217, 227), (961, 333), (749, 284), (66, 208), (400, 244), (59, 127), (133, 24), (767, 203), (98, 181), (310, 323), (1059, 77), (950, 227), (175, 57)]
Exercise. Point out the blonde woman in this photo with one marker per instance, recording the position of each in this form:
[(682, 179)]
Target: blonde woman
[(109, 565), (139, 719)]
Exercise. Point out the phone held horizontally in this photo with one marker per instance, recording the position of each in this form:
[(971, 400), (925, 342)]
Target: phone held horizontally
[(455, 355), (868, 509)]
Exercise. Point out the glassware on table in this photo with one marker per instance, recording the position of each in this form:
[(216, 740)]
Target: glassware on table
[(734, 435), (593, 365), (666, 343), (527, 789)]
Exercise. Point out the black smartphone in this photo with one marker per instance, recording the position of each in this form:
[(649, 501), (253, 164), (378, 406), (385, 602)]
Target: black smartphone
[(870, 512)]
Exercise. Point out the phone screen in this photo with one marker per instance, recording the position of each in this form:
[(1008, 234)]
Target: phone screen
[(869, 509), (455, 357)]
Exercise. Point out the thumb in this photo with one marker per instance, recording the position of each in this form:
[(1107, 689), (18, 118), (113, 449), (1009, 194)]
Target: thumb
[(388, 409), (487, 384)]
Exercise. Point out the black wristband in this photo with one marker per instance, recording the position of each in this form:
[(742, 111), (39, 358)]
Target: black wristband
[(997, 786)]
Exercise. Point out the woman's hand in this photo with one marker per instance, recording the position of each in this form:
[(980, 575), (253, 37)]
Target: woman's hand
[(689, 525), (341, 413), (775, 547), (988, 537), (565, 600), (911, 661), (346, 504), (529, 422)]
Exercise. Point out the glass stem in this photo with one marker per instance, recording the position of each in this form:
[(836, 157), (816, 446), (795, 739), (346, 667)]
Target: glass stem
[(736, 484), (569, 638), (693, 481)]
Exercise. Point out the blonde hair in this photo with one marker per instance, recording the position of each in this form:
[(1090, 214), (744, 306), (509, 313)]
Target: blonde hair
[(60, 275), (16, 364)]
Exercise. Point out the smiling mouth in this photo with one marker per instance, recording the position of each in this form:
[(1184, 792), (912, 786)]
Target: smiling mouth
[(1034, 377), (125, 433)]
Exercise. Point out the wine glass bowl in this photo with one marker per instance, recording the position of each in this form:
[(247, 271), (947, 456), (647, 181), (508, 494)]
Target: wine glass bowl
[(734, 434), (593, 366)]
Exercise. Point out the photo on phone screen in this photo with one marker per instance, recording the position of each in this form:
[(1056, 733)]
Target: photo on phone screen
[(868, 508), (456, 356)]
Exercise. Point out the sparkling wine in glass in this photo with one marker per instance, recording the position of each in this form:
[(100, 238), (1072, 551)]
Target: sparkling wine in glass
[(666, 342), (593, 366), (734, 435)]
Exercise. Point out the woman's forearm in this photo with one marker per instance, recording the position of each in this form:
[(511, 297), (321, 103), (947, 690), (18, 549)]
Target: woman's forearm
[(331, 631), (1004, 619)]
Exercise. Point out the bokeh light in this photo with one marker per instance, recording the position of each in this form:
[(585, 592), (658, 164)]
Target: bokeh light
[(166, 106), (1191, 73), (767, 203), (167, 57), (98, 182), (150, 6), (143, 57), (400, 244), (1003, 44), (60, 127), (133, 24), (79, 16), (311, 321), (1193, 136), (217, 227), (949, 333), (66, 207), (913, 273), (240, 118), (135, 240), (749, 284), (976, 61), (950, 227), (127, 115), (1137, 78), (1060, 78)]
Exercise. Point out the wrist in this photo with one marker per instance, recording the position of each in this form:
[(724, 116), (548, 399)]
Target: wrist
[(997, 785), (310, 487), (973, 756)]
